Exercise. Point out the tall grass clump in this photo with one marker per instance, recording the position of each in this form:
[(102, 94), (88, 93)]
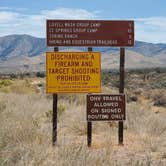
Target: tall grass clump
[(22, 137)]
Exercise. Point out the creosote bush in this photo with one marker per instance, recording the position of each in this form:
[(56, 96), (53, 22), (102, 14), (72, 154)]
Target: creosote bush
[(159, 98), (4, 83)]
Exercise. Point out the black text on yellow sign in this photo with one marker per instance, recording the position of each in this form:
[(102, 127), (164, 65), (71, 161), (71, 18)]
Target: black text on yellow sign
[(73, 72)]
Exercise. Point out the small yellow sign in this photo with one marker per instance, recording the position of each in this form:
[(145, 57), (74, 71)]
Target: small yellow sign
[(73, 72)]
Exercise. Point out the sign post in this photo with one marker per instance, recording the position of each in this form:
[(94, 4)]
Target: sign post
[(121, 90), (89, 123), (104, 107), (55, 112)]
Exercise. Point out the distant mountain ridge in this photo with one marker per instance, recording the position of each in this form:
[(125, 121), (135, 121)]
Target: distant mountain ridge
[(21, 45), (149, 49), (26, 45), (24, 53)]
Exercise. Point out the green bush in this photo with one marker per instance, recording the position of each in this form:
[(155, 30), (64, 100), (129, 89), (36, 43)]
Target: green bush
[(2, 106), (61, 109), (4, 83), (158, 84), (40, 74)]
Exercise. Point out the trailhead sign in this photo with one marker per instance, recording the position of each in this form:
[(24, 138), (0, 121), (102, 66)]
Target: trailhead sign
[(90, 33), (105, 107), (73, 72)]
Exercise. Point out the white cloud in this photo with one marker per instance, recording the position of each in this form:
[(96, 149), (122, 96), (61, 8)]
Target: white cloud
[(5, 8), (67, 13), (7, 17), (151, 29), (156, 21), (18, 23)]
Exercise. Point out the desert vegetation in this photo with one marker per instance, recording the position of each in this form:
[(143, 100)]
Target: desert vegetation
[(26, 123)]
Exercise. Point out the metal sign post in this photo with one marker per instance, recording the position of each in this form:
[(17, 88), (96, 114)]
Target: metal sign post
[(89, 123), (121, 90), (54, 115)]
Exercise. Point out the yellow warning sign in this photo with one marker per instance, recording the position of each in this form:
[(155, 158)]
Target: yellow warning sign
[(73, 72)]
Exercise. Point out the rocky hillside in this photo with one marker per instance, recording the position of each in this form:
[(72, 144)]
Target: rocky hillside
[(21, 45), (25, 45), (27, 53)]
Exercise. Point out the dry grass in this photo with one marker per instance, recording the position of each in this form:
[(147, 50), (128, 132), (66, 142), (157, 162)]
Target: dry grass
[(26, 132)]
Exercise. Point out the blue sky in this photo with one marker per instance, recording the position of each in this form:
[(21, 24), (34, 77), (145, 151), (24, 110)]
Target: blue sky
[(28, 17)]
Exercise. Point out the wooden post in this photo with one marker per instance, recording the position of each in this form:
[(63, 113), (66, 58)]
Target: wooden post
[(89, 133), (121, 90), (89, 123), (54, 115)]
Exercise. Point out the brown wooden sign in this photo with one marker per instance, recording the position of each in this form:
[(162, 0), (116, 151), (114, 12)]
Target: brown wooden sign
[(90, 33), (106, 107)]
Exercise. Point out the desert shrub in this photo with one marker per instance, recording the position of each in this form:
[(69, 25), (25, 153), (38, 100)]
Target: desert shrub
[(22, 139), (156, 127), (40, 74), (40, 85), (61, 109), (105, 78), (132, 98), (160, 70), (79, 99), (144, 121), (22, 87), (13, 76), (115, 83), (48, 114), (4, 83), (139, 71), (138, 91), (2, 106), (158, 84), (161, 101), (159, 98), (78, 127), (74, 119), (72, 155)]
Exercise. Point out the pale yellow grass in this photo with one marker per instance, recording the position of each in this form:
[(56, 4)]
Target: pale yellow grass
[(26, 131)]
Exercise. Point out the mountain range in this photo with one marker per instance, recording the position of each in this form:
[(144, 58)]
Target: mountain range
[(25, 52)]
